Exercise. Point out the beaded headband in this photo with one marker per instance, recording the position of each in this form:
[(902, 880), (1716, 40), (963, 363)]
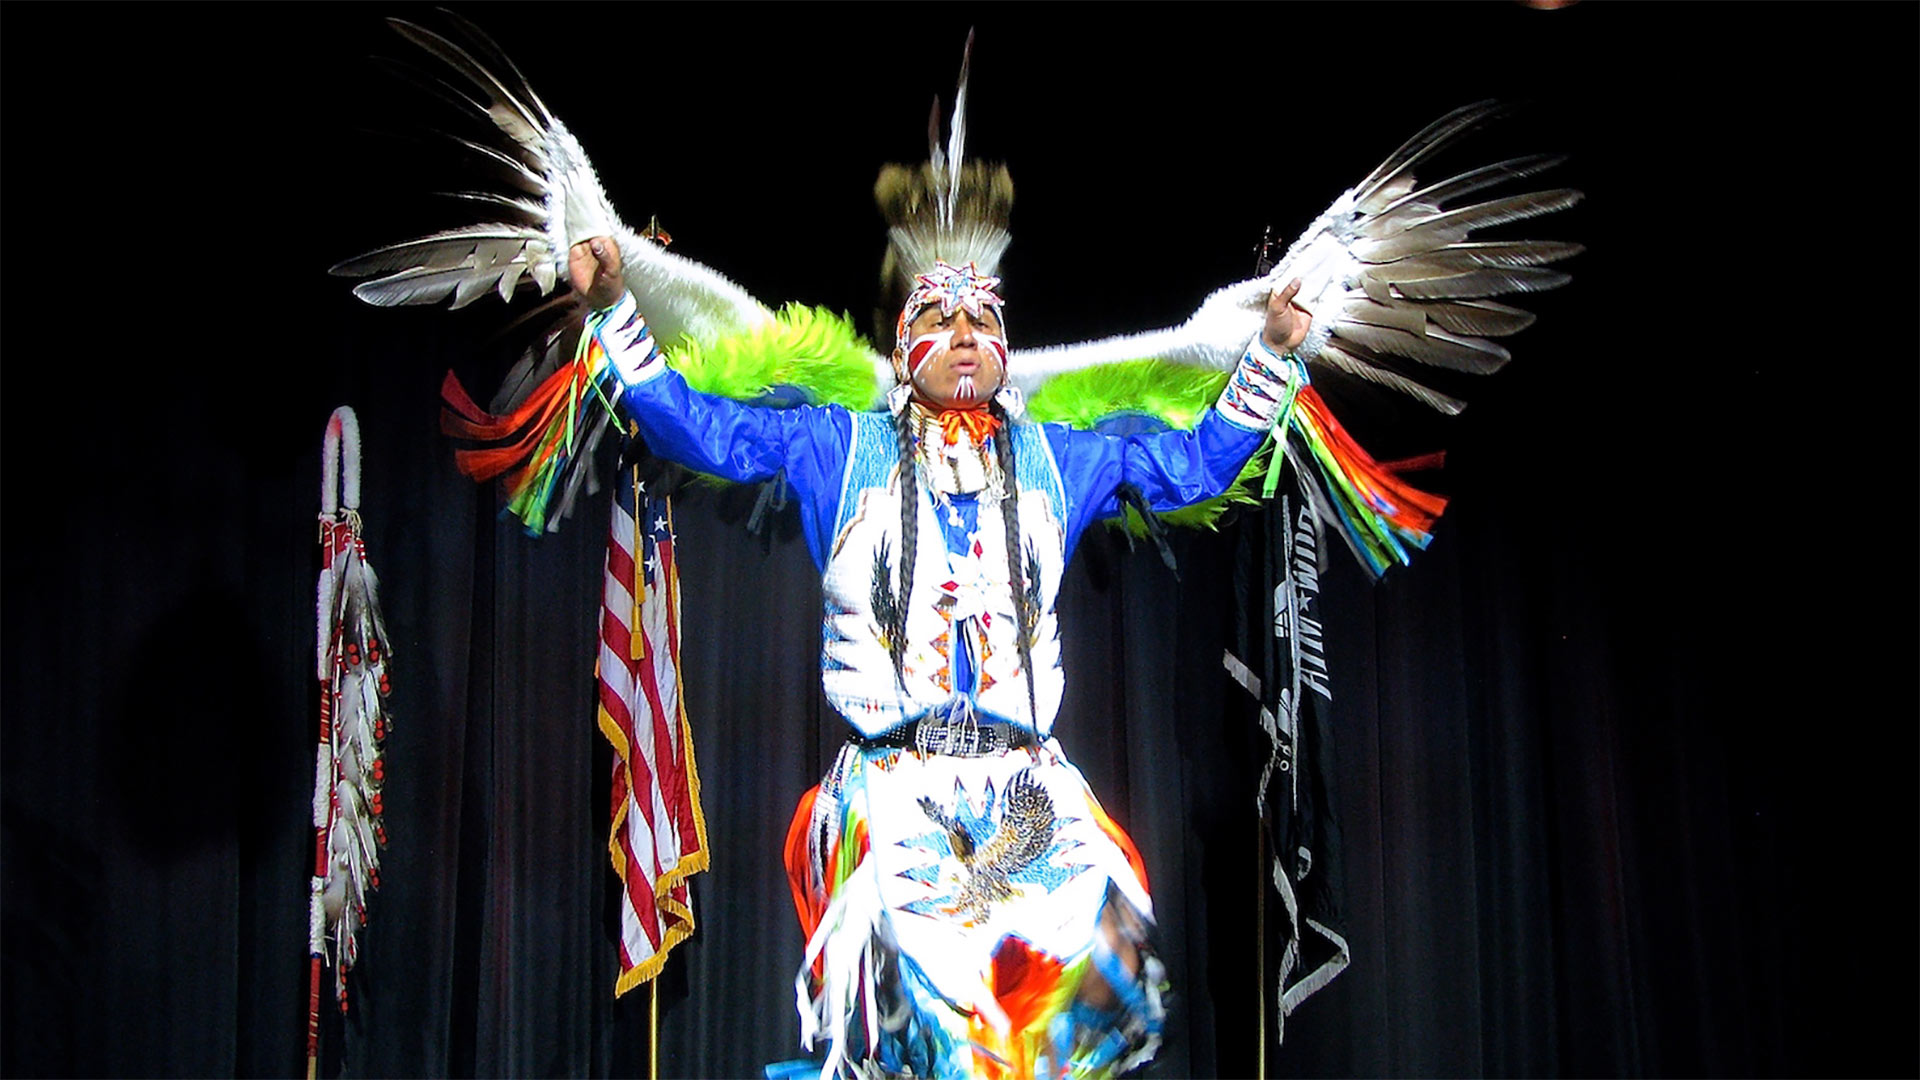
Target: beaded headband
[(952, 288)]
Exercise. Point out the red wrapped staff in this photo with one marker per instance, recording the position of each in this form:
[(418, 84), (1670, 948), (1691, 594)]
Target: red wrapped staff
[(349, 764)]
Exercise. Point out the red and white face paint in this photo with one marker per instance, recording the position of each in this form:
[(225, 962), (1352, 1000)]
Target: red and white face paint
[(930, 348), (926, 347)]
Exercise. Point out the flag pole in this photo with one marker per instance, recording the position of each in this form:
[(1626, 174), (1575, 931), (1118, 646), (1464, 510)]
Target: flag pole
[(638, 635), (1263, 261), (640, 653), (1260, 945)]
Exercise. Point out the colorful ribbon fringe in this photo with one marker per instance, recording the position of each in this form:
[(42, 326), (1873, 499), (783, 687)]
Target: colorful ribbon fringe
[(546, 430), (1380, 514)]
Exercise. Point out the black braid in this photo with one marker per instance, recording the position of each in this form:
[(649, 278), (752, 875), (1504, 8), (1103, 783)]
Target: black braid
[(1025, 618), (904, 425)]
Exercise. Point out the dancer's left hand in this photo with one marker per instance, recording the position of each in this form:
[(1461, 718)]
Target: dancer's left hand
[(1287, 322)]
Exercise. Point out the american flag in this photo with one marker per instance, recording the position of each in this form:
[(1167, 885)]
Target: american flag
[(658, 838)]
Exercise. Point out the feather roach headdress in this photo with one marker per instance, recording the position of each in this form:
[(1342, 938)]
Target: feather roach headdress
[(947, 210)]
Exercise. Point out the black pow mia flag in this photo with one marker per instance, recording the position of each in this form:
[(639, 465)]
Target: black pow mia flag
[(1282, 663)]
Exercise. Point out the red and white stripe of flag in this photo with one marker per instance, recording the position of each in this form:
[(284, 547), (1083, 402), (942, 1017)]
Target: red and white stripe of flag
[(658, 837)]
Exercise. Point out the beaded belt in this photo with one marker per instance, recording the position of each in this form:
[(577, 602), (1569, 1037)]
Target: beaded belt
[(945, 735)]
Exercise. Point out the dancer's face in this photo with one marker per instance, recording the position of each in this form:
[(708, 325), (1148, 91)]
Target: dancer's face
[(956, 361)]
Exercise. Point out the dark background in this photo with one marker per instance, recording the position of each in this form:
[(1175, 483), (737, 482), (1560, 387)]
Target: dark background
[(1626, 760)]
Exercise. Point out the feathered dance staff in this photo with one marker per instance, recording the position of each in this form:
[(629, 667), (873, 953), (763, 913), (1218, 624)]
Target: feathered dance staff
[(349, 764)]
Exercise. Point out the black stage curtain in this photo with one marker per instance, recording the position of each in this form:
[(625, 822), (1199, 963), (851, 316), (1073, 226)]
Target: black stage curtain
[(1624, 763)]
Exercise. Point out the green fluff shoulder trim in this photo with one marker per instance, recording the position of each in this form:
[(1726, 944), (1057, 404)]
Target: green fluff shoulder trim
[(1176, 393), (806, 347)]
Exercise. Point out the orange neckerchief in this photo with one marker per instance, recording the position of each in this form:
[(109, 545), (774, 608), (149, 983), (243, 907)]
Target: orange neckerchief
[(978, 423)]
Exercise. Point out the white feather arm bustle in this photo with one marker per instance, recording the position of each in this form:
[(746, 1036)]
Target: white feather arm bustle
[(1389, 273), (557, 201)]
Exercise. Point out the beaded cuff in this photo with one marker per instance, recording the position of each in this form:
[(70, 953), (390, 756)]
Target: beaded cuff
[(630, 346), (1261, 384)]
